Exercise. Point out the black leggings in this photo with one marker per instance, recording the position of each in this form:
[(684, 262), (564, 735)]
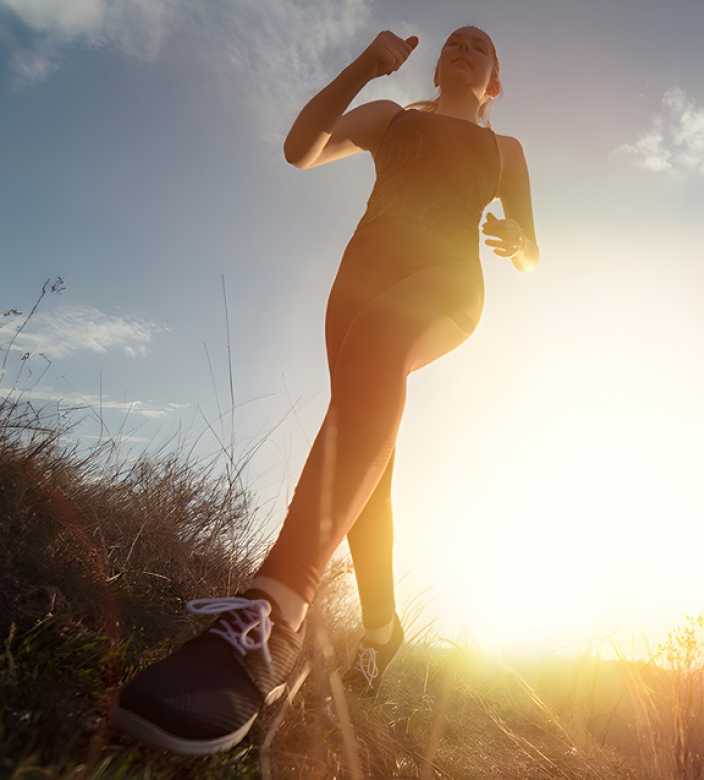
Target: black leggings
[(404, 296)]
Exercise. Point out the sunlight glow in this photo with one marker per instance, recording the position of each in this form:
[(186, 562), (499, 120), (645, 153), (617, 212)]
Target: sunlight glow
[(572, 535)]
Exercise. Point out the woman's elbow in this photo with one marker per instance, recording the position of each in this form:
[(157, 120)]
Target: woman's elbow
[(290, 155), (295, 158)]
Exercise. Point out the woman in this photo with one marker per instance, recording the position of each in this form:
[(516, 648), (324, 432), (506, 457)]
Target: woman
[(409, 290)]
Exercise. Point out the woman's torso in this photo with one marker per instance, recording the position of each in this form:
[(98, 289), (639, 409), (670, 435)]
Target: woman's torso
[(436, 170)]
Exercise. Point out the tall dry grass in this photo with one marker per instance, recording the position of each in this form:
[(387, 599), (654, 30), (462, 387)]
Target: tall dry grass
[(97, 559), (99, 551)]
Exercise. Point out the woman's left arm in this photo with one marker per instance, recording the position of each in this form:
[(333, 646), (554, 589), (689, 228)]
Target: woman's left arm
[(515, 235)]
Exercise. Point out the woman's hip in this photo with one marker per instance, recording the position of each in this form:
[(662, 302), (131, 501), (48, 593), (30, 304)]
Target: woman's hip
[(390, 282), (385, 252)]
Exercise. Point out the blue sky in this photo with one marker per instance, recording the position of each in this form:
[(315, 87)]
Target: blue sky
[(561, 446)]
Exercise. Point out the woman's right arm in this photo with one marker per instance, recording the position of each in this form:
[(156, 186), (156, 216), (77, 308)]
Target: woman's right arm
[(322, 131)]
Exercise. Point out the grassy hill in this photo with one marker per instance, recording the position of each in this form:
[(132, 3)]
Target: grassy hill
[(99, 554)]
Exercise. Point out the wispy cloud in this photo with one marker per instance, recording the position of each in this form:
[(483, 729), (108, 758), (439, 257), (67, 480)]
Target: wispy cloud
[(51, 27), (277, 51), (41, 395), (674, 141), (72, 329)]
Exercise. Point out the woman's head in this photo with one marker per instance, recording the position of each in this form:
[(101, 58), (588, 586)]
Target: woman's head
[(469, 57)]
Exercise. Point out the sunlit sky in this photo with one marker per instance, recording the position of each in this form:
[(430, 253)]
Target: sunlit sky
[(549, 485)]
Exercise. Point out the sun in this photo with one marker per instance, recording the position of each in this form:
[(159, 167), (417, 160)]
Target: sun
[(560, 543)]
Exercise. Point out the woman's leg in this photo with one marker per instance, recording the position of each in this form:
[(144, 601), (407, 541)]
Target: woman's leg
[(371, 537), (402, 329), (371, 541)]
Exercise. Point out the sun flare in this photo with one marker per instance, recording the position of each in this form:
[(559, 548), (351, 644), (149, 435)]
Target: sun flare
[(571, 537)]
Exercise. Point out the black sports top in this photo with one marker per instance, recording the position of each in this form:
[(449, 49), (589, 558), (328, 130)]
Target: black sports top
[(438, 170)]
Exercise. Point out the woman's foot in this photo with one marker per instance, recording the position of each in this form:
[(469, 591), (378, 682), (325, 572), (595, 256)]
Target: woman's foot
[(204, 697), (371, 661)]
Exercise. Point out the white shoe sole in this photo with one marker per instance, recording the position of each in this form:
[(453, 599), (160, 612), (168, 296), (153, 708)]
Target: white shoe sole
[(153, 735)]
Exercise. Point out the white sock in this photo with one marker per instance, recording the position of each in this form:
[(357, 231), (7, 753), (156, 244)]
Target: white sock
[(380, 636), (293, 607)]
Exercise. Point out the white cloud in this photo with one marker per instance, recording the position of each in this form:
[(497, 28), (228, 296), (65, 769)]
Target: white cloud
[(279, 51), (68, 331), (41, 395), (138, 27), (57, 17), (273, 53), (135, 27), (674, 141), (33, 65), (72, 329)]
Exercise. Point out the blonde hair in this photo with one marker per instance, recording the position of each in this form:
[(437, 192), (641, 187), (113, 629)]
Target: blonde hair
[(431, 106)]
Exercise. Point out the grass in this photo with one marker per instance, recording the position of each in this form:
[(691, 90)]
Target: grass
[(98, 559), (98, 555)]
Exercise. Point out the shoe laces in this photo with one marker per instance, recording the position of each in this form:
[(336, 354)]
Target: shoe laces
[(366, 663), (245, 624)]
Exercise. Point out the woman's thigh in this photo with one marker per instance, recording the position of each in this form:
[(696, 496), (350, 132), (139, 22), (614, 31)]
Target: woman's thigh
[(411, 323), (394, 279)]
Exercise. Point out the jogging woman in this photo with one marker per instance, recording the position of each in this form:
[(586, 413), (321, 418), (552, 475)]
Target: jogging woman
[(409, 290)]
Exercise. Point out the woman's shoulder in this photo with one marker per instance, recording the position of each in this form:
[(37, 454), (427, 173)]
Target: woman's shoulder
[(384, 106), (511, 150), (366, 125), (366, 115), (379, 110), (509, 144)]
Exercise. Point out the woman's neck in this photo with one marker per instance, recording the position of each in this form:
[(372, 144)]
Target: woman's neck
[(464, 106)]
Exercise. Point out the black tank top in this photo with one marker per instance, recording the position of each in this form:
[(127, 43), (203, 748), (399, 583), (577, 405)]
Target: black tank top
[(438, 170)]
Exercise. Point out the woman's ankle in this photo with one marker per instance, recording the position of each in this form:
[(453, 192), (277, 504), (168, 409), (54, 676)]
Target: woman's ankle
[(380, 636), (292, 606)]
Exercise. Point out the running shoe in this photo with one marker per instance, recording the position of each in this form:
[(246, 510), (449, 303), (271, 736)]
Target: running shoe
[(205, 696), (371, 661)]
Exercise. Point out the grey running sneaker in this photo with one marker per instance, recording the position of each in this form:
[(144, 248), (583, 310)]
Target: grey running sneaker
[(371, 661), (204, 697)]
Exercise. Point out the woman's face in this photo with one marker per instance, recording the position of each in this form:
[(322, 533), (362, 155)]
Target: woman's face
[(467, 58)]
